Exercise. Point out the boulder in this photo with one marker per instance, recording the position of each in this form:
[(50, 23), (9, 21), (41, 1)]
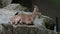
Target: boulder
[(24, 29), (5, 2), (17, 7)]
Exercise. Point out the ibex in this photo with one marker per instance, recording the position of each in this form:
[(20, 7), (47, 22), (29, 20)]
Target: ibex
[(25, 18)]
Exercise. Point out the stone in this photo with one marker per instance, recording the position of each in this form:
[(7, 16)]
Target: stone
[(26, 29), (17, 7), (0, 4), (5, 2), (39, 24), (5, 15), (39, 29)]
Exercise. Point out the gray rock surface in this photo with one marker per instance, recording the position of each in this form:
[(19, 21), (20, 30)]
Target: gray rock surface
[(7, 12), (6, 2), (16, 7), (5, 15)]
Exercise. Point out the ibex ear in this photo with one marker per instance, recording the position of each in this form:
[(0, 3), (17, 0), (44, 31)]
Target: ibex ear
[(36, 9), (35, 6)]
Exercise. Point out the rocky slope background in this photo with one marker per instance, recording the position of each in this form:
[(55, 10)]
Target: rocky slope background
[(9, 10)]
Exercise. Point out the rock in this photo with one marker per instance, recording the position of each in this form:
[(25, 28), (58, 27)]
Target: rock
[(5, 15), (5, 2), (1, 28), (26, 29), (16, 7), (0, 4), (39, 29), (7, 12)]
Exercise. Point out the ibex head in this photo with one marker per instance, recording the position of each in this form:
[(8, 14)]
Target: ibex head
[(36, 10)]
